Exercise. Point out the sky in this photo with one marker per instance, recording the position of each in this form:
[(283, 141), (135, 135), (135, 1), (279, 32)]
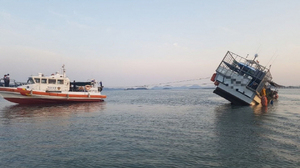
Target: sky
[(128, 43)]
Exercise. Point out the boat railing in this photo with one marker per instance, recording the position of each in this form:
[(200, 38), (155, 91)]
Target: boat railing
[(233, 64), (12, 83)]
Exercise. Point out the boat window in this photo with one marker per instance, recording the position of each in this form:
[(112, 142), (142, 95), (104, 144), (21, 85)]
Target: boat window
[(52, 81), (44, 81), (37, 80), (60, 81), (30, 81)]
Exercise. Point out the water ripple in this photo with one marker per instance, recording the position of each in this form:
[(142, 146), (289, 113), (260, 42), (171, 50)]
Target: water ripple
[(169, 128)]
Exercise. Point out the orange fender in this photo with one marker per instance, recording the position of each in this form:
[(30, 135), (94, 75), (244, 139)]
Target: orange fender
[(213, 77), (264, 101)]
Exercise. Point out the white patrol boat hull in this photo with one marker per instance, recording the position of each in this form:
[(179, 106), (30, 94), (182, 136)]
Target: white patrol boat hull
[(55, 88), (23, 96)]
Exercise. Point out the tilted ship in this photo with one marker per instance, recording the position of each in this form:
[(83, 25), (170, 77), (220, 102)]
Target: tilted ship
[(244, 81)]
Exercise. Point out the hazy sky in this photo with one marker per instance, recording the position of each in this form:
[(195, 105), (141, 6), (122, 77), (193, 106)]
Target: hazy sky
[(137, 42)]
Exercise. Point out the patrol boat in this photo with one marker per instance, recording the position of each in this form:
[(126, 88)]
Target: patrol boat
[(55, 88), (244, 81)]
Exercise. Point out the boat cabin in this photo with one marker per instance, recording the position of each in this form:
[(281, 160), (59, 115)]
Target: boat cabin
[(58, 82), (55, 82)]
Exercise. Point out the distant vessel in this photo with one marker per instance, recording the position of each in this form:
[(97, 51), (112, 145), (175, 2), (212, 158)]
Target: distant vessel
[(244, 82), (56, 88)]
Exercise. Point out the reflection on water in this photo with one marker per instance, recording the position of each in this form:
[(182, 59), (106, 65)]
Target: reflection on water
[(151, 129), (15, 111), (258, 110), (238, 135), (261, 110), (254, 135)]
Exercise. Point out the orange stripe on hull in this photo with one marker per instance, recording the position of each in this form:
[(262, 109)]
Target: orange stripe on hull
[(78, 95), (7, 89), (98, 96), (38, 101), (28, 93)]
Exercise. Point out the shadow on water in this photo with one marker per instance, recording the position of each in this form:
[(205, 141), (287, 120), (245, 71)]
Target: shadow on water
[(44, 110)]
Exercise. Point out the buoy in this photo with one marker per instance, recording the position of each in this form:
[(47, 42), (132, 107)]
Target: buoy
[(264, 101), (213, 77)]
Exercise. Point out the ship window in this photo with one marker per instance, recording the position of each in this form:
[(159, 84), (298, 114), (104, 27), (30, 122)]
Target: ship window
[(37, 80), (30, 81), (60, 81), (44, 81), (52, 81)]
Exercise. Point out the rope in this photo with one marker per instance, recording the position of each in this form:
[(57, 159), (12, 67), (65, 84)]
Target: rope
[(173, 82)]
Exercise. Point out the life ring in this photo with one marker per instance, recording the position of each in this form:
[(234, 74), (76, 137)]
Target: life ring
[(87, 87)]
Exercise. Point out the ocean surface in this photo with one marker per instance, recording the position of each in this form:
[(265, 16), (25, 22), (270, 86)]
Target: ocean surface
[(152, 128)]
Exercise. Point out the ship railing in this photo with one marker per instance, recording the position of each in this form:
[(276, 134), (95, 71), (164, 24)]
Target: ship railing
[(243, 64), (233, 64), (12, 83)]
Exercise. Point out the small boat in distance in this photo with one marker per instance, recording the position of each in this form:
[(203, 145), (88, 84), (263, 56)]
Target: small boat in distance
[(244, 81), (55, 88)]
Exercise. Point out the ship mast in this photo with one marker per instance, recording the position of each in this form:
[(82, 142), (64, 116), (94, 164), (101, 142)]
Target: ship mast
[(64, 70)]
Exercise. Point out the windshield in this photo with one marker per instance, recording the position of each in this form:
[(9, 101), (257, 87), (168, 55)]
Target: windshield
[(30, 81)]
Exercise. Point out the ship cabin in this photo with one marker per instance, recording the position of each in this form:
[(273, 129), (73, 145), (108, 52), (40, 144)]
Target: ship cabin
[(60, 83), (54, 83)]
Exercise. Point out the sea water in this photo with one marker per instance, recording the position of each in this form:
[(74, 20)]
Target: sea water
[(152, 128)]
